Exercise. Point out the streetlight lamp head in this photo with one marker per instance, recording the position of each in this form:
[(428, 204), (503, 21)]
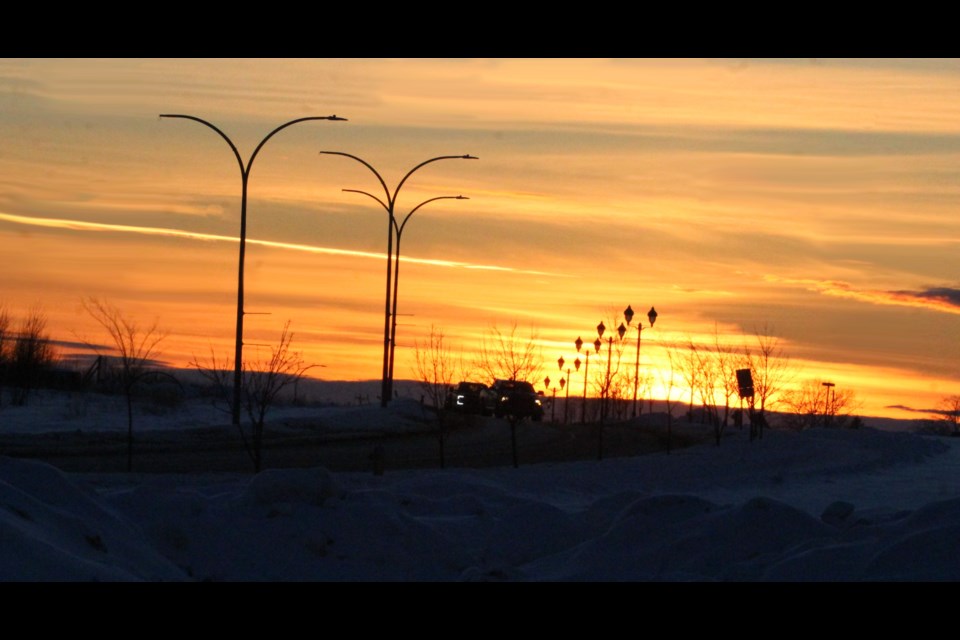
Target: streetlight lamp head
[(579, 343), (652, 315), (597, 344), (560, 362), (546, 382), (563, 383), (628, 314), (576, 364), (622, 329), (336, 117), (469, 157), (601, 329)]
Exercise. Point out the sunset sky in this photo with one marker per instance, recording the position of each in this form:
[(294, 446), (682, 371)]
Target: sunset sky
[(817, 198)]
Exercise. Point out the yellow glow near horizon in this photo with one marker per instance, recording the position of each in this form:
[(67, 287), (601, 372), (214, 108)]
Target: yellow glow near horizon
[(813, 196)]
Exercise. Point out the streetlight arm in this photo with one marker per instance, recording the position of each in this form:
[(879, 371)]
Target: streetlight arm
[(407, 217), (243, 169), (466, 156), (370, 195), (386, 189), (284, 126)]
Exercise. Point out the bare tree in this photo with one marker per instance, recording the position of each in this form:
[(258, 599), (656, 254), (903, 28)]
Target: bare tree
[(436, 369), (262, 383), (30, 356), (137, 348), (506, 355), (948, 413), (264, 380), (218, 373), (772, 372), (819, 404), (726, 366), (610, 381), (668, 380), (689, 367), (707, 381)]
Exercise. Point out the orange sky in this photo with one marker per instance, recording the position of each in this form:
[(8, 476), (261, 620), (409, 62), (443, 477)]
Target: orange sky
[(814, 197)]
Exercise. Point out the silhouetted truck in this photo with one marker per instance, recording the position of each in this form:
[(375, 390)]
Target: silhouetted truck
[(471, 397), (518, 400)]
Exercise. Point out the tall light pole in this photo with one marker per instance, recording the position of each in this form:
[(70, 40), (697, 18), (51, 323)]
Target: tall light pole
[(389, 204), (396, 276), (652, 317), (244, 177)]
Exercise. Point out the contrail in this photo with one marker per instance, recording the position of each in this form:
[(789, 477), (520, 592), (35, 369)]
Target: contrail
[(80, 225)]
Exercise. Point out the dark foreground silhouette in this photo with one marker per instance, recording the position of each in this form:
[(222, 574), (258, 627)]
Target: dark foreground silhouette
[(482, 442)]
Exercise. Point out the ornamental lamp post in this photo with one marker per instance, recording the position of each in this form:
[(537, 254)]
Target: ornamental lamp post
[(605, 391), (628, 314), (576, 367), (586, 377), (553, 400), (565, 384)]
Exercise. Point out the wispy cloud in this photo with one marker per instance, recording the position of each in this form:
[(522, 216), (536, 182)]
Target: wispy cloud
[(80, 225), (943, 299)]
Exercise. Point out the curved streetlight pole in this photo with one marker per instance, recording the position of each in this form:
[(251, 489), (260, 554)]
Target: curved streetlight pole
[(389, 203), (244, 177), (396, 278)]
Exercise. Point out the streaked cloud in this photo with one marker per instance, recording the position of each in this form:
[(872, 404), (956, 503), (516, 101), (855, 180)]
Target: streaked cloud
[(601, 182), (942, 299)]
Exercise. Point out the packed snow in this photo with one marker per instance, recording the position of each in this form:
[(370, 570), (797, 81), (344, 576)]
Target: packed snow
[(819, 505)]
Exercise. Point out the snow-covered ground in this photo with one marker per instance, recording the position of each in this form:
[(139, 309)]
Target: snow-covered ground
[(821, 505)]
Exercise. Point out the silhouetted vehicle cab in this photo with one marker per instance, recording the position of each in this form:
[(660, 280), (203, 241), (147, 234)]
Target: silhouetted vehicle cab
[(517, 399), (471, 397)]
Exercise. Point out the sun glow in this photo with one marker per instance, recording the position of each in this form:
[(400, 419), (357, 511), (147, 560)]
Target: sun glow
[(813, 196)]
